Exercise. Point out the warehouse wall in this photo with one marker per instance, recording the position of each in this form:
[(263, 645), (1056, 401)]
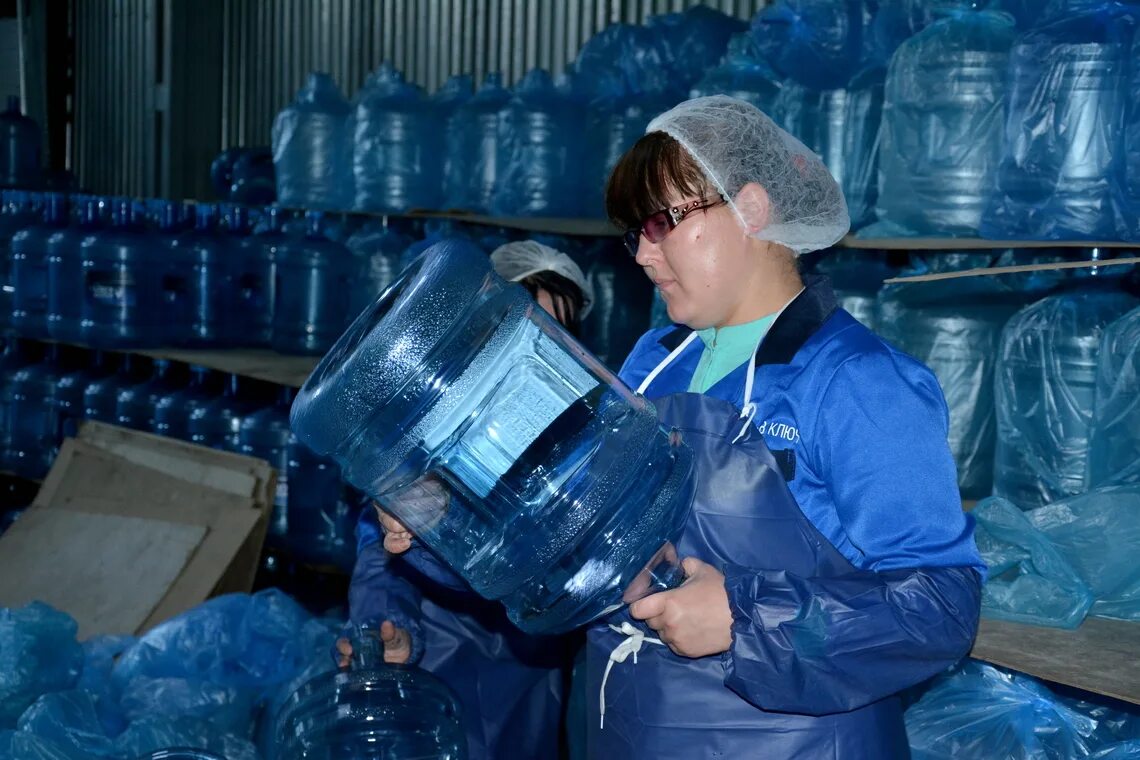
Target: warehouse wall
[(226, 67)]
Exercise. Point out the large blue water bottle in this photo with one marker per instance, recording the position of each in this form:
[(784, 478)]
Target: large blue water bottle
[(176, 309), (265, 434), (312, 148), (862, 119), (472, 168), (72, 388), (172, 406), (313, 287), (124, 285), (101, 396), (17, 211), (371, 710), (943, 113), (541, 148), (16, 355), (65, 274), (321, 517), (615, 124), (216, 423), (30, 249), (448, 101), (623, 298), (1114, 440), (20, 153), (376, 249), (29, 396), (249, 276), (955, 327), (202, 253), (1046, 392), (499, 441), (136, 404), (397, 146), (1064, 160)]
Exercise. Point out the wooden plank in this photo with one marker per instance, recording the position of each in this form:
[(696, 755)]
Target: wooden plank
[(971, 244), (291, 371), (109, 572), (1102, 656)]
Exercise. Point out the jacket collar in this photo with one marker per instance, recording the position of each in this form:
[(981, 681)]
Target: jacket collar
[(800, 320)]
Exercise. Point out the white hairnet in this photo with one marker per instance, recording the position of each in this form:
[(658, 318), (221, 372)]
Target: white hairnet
[(734, 143), (519, 260)]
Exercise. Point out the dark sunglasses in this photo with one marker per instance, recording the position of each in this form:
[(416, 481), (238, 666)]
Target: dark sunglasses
[(659, 224)]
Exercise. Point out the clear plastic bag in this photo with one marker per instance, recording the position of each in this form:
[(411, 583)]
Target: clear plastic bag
[(978, 711), (943, 113), (816, 43), (312, 148), (38, 654), (1046, 393), (1114, 440)]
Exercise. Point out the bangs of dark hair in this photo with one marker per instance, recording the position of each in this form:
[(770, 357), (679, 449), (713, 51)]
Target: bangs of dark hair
[(648, 178), (568, 298)]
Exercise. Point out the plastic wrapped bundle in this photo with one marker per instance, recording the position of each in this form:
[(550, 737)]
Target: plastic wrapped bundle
[(524, 464), (943, 111), (397, 157), (1046, 393), (743, 74), (1064, 159), (20, 153), (954, 327), (541, 148), (695, 40), (40, 655), (816, 43), (471, 166), (864, 114), (978, 711), (312, 148), (625, 60), (1114, 442), (1056, 563)]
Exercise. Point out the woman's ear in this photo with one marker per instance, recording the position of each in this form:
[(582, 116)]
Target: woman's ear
[(754, 207)]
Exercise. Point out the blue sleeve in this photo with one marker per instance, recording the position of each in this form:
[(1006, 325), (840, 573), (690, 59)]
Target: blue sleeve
[(377, 593), (910, 608)]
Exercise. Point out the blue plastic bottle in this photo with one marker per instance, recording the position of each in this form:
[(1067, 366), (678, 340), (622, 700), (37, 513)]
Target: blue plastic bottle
[(376, 248), (29, 262), (372, 710), (265, 434), (135, 405), (65, 275), (16, 355), (124, 287), (313, 286), (943, 113), (249, 271), (541, 151), (254, 178), (555, 485), (397, 155), (614, 126), (29, 395), (862, 118), (101, 396), (217, 422), (1064, 160), (312, 148), (20, 153), (176, 309), (17, 211), (817, 43), (201, 252), (1046, 392), (623, 301), (72, 387), (471, 166), (172, 407)]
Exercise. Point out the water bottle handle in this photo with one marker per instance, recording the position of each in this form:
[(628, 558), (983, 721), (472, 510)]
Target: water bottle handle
[(367, 648), (661, 573)]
